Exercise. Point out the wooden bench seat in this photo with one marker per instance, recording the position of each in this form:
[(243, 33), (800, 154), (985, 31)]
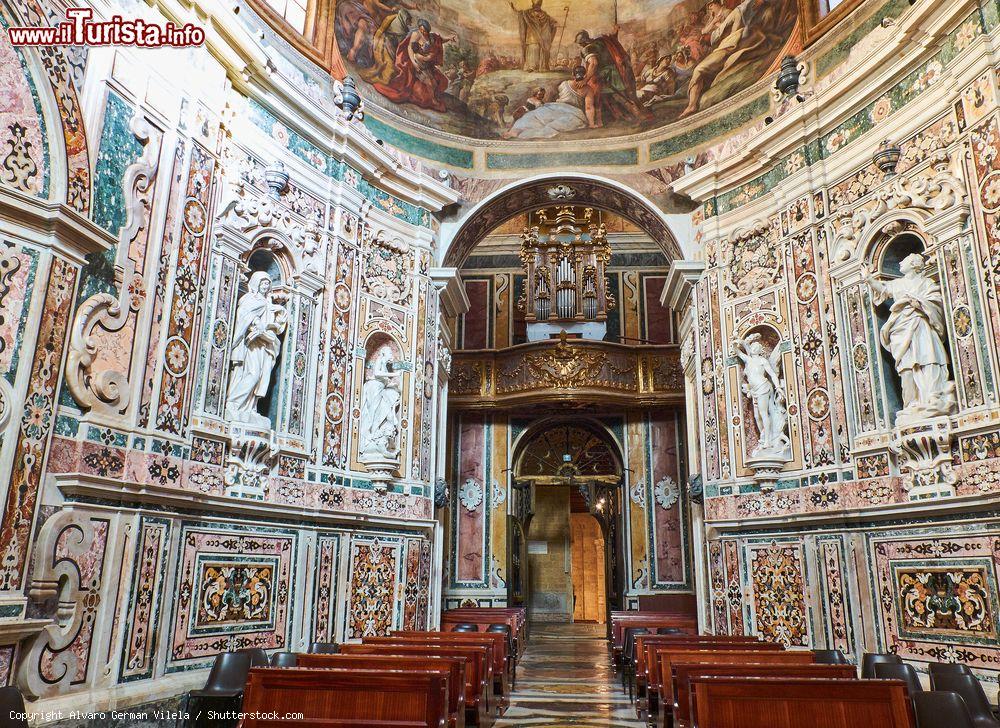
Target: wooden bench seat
[(417, 697), (477, 689), (683, 674), (667, 658), (652, 622), (454, 667), (757, 702)]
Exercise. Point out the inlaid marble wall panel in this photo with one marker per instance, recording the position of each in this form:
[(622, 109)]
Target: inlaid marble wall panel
[(146, 599), (936, 593), (234, 589), (25, 164), (377, 571), (777, 589)]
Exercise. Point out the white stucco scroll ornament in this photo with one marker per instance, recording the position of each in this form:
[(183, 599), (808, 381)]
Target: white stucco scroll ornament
[(765, 388), (378, 448), (260, 321), (929, 196), (470, 495)]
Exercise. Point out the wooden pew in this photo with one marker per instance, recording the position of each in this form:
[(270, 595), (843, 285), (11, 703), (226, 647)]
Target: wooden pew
[(415, 697), (496, 646), (501, 657), (477, 671), (453, 666), (651, 622), (483, 619), (667, 658), (683, 674), (756, 702), (498, 614), (647, 668)]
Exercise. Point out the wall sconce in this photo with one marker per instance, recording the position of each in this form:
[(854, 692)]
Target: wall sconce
[(788, 76), (886, 157), (277, 179), (346, 97)]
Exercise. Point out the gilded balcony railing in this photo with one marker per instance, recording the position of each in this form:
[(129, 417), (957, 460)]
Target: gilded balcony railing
[(567, 369)]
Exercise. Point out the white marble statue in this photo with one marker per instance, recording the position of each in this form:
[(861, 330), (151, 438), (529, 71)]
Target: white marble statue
[(259, 323), (766, 390), (915, 336), (380, 400)]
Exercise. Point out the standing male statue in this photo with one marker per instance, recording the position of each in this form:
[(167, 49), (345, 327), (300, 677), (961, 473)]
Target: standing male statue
[(766, 390), (914, 335), (259, 324), (537, 29)]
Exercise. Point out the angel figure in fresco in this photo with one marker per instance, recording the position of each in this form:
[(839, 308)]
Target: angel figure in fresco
[(418, 78), (259, 324), (609, 74), (766, 390), (748, 33)]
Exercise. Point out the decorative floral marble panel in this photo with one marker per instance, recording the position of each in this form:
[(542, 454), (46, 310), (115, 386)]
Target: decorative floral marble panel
[(145, 599), (325, 588), (234, 590), (937, 595), (777, 583), (375, 575)]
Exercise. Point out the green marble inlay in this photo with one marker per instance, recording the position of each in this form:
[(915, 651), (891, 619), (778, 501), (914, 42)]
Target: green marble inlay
[(118, 150), (606, 158), (67, 426), (421, 147), (716, 128)]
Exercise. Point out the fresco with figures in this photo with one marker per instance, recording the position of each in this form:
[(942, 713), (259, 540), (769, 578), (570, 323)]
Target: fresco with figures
[(551, 70)]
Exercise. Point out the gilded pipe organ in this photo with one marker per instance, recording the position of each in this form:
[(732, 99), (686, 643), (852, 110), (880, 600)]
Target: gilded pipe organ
[(564, 252)]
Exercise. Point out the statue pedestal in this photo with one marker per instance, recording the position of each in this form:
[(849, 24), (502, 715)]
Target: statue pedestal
[(381, 469), (923, 451), (767, 470), (252, 452)]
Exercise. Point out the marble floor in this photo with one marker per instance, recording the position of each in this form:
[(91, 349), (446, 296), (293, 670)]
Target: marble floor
[(565, 679)]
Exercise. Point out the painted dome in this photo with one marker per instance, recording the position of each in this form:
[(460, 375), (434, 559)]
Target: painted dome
[(556, 70)]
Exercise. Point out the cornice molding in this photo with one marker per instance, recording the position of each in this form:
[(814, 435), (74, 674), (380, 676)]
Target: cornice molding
[(451, 290), (681, 279), (52, 225)]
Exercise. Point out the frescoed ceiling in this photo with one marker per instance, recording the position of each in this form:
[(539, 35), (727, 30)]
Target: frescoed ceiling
[(557, 70)]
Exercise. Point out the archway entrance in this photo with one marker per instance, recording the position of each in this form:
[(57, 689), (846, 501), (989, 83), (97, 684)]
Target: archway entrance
[(555, 286), (567, 476)]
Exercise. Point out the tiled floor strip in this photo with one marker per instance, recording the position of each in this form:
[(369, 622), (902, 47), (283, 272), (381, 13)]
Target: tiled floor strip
[(565, 679)]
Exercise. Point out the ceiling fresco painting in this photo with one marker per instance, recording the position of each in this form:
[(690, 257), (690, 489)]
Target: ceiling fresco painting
[(558, 70)]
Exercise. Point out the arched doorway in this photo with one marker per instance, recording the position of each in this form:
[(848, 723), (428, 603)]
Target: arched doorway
[(564, 529), (621, 378)]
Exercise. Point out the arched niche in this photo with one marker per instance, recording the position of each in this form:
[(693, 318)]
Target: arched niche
[(545, 191), (886, 251), (770, 339)]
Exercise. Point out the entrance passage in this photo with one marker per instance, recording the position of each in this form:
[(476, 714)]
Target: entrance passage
[(565, 678), (589, 593)]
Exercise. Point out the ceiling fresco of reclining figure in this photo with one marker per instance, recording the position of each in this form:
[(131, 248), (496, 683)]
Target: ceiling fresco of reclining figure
[(558, 70)]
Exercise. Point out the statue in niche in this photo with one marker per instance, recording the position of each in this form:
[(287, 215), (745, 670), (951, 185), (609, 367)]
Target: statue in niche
[(380, 401), (259, 323), (914, 335), (766, 390)]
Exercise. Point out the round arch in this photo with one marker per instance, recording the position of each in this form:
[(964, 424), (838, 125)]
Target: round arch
[(546, 190), (595, 429)]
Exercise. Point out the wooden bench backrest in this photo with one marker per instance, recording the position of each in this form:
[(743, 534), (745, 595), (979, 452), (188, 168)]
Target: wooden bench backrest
[(645, 643), (686, 624), (331, 723), (443, 638), (746, 702), (454, 667), (497, 640), (415, 696), (654, 677), (684, 673), (668, 658), (474, 656)]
